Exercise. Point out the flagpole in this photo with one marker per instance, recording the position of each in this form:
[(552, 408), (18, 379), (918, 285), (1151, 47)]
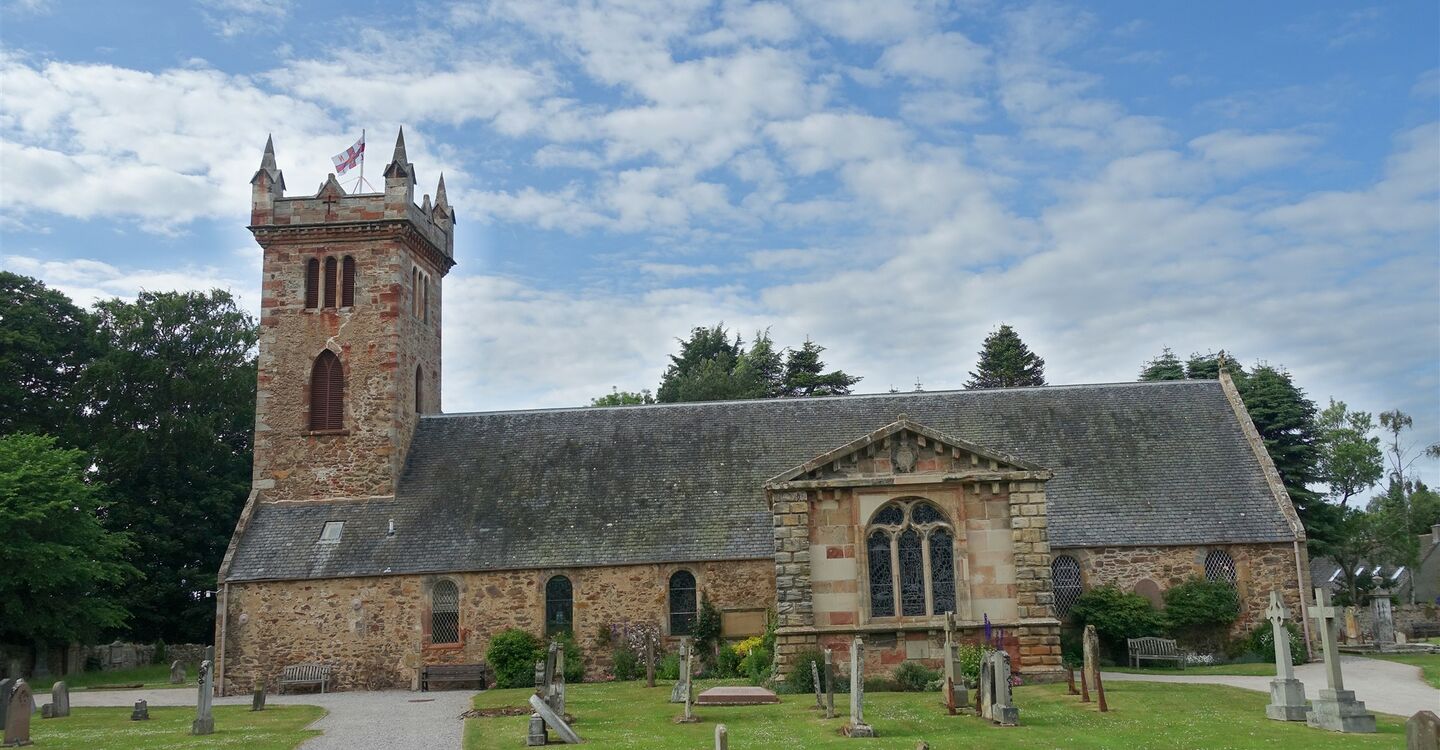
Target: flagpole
[(361, 182)]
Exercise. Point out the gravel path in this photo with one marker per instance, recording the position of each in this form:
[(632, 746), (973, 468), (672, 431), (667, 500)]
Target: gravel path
[(1384, 686), (382, 719)]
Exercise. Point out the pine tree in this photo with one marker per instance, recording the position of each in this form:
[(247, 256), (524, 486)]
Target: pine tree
[(1167, 366), (805, 374), (1207, 367), (1285, 420), (1005, 362)]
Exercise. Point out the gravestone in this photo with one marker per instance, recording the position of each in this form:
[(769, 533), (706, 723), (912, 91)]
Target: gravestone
[(204, 718), (829, 684), (1422, 731), (59, 704), (553, 721), (141, 712), (555, 679), (1090, 672), (1352, 625), (722, 737), (1287, 694), (649, 660), (1336, 709), (682, 685), (177, 672), (736, 696), (857, 726), (685, 668), (1384, 616), (950, 662), (17, 718), (815, 678), (995, 694), (257, 700), (7, 686)]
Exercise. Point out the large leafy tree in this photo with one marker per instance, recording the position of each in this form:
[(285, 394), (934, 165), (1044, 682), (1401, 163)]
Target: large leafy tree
[(1167, 366), (45, 342), (1005, 361), (1350, 459), (173, 402), (617, 397), (61, 565), (805, 374)]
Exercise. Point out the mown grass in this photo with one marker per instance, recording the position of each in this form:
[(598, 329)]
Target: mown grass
[(1143, 716), (1429, 664), (87, 728), (149, 676), (1249, 669)]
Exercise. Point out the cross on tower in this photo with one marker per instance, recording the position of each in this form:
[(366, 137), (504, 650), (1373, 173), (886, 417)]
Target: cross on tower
[(330, 200), (1326, 616)]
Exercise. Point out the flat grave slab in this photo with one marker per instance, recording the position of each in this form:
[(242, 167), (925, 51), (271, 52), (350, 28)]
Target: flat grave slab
[(736, 696)]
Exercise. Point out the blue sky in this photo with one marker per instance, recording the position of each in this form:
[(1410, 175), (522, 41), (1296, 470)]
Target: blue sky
[(892, 180)]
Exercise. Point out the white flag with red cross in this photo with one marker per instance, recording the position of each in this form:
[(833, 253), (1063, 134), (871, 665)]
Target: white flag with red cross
[(351, 158)]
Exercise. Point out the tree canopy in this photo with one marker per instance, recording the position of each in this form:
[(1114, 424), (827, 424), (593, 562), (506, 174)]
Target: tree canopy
[(1167, 366), (1006, 362), (713, 366), (45, 342), (1350, 459)]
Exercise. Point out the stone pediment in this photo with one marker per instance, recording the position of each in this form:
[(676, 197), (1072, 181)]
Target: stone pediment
[(902, 448)]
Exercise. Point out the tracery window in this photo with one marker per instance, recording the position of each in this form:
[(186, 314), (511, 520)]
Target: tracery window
[(559, 606), (911, 560), (444, 612), (1219, 566), (684, 603), (1065, 583)]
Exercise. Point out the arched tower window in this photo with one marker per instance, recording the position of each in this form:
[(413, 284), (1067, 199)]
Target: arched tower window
[(419, 390), (444, 612), (347, 282), (684, 604), (1065, 583), (1219, 566), (559, 606), (312, 283), (330, 287), (425, 302), (911, 560), (327, 393)]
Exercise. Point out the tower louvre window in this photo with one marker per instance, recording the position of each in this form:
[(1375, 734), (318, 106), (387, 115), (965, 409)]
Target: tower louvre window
[(419, 389), (327, 393), (312, 283), (330, 286), (347, 282)]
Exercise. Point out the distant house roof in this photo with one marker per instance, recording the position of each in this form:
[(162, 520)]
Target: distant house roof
[(1424, 577), (1134, 464)]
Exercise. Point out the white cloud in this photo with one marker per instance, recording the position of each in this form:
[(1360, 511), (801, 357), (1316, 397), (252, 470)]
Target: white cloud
[(1235, 152), (236, 17), (87, 281), (949, 57)]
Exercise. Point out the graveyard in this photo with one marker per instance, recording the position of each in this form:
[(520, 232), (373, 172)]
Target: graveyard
[(276, 728)]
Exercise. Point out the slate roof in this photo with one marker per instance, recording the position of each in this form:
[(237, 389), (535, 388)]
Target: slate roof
[(1135, 464)]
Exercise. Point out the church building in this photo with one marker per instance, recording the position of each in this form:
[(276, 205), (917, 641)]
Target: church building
[(381, 535)]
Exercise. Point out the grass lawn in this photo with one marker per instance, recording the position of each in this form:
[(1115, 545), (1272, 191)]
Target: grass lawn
[(275, 728), (150, 676), (1142, 716), (1429, 664), (1258, 669)]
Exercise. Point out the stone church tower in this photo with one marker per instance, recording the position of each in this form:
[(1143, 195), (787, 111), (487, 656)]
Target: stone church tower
[(349, 330)]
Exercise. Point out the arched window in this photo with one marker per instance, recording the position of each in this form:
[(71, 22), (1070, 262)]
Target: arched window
[(419, 389), (312, 283), (327, 393), (1065, 583), (425, 302), (1219, 566), (347, 282), (444, 613), (415, 291), (559, 606), (684, 604), (910, 550), (330, 286)]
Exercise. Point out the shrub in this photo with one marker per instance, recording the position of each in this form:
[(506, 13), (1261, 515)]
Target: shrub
[(1261, 643), (706, 632), (728, 665), (1116, 615), (969, 656), (744, 647), (800, 679), (669, 667), (574, 662), (1199, 612), (512, 654), (757, 665), (627, 665), (159, 656), (914, 677), (881, 685), (1072, 647)]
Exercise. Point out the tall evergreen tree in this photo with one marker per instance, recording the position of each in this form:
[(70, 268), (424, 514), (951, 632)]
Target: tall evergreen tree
[(805, 374), (762, 369), (1285, 420), (1005, 361), (1167, 366), (702, 370), (1207, 367), (45, 343)]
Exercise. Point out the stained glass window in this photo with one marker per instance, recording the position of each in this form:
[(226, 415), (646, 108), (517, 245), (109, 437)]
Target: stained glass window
[(559, 606), (1065, 583), (912, 573), (942, 571), (444, 613), (890, 515), (683, 602), (882, 584), (925, 513), (1219, 566)]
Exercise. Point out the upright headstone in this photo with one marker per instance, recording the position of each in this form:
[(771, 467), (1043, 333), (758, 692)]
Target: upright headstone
[(722, 737), (1422, 731), (1091, 670), (553, 721), (1001, 709), (857, 726), (7, 686), (555, 688), (17, 717), (829, 684), (59, 704), (1352, 625), (815, 679), (682, 685), (1336, 709), (257, 700), (1287, 694), (949, 676), (141, 712), (177, 672), (1384, 615), (204, 718), (649, 660), (686, 667)]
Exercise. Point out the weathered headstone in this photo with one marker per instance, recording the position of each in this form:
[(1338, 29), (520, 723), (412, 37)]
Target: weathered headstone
[(815, 679), (554, 721), (177, 672), (141, 712), (996, 700), (1287, 694), (1336, 709), (17, 718), (722, 737), (7, 686), (1422, 731), (857, 726), (1091, 669), (949, 675), (682, 685), (1384, 616), (257, 700), (829, 684), (59, 704), (685, 668), (555, 687), (204, 718), (649, 660), (1352, 625)]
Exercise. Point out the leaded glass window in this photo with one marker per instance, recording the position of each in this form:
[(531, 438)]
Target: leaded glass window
[(911, 560), (1065, 583), (444, 612), (1219, 566), (683, 602), (559, 606)]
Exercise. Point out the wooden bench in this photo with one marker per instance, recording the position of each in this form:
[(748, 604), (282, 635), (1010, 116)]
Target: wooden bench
[(1422, 630), (1154, 649), (453, 673), (306, 674)]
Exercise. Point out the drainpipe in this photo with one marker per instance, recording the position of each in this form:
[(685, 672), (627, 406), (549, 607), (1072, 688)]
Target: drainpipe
[(1300, 581), (220, 647)]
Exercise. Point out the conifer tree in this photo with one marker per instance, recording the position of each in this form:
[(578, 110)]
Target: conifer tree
[(1167, 366), (1005, 362), (805, 374)]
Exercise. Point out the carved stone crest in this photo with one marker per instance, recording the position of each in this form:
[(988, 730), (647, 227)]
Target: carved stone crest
[(904, 457)]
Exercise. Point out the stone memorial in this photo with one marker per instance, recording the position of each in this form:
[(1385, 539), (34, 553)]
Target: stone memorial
[(857, 726), (555, 682), (722, 737), (736, 696), (257, 700), (17, 717), (686, 668), (995, 699), (1384, 615), (7, 686), (553, 721), (650, 661), (1090, 671), (829, 684), (1422, 731), (951, 676), (177, 672), (1336, 709), (59, 704), (1352, 625), (141, 712), (815, 680), (204, 718), (682, 685), (1287, 694)]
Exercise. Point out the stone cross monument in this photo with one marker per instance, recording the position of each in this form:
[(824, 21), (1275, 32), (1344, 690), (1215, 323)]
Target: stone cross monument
[(1287, 694), (857, 726), (682, 685), (204, 719), (1336, 709)]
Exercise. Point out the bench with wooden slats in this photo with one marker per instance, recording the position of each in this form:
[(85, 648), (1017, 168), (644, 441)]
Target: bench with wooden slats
[(306, 674), (454, 673), (1155, 649)]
